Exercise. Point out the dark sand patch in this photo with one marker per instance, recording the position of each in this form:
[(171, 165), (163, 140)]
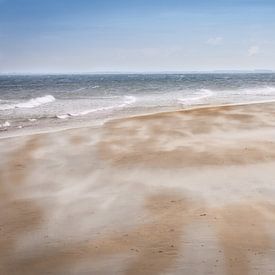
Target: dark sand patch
[(77, 140), (153, 246), (148, 153), (242, 231), (20, 161), (17, 216), (179, 139)]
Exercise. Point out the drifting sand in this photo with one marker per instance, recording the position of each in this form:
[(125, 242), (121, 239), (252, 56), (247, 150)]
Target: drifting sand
[(189, 192)]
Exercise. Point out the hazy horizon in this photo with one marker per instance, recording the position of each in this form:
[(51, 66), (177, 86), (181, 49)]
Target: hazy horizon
[(142, 72)]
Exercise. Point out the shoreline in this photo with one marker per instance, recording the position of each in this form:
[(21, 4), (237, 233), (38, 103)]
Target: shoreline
[(100, 124)]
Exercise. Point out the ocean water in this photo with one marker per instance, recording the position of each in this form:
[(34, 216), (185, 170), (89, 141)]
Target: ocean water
[(64, 101)]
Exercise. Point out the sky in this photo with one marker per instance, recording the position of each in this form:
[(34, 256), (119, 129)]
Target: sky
[(65, 36)]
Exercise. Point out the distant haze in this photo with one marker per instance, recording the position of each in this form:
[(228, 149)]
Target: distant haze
[(64, 36)]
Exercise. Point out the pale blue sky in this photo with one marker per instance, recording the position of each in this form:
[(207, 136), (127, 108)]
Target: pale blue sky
[(138, 35)]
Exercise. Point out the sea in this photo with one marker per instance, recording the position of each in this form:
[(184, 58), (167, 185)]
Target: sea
[(37, 103)]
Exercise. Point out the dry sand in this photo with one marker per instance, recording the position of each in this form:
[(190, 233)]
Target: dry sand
[(189, 192)]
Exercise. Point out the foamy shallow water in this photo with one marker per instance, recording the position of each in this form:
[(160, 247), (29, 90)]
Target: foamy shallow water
[(52, 102)]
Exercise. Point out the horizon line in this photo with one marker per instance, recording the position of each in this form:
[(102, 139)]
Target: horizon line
[(263, 71)]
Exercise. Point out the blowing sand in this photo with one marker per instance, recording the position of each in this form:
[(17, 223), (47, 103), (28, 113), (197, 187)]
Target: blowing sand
[(189, 192)]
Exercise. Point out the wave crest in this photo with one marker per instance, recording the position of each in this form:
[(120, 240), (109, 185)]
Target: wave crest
[(128, 100), (32, 103), (204, 93)]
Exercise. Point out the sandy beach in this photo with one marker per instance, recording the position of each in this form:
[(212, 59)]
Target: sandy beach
[(186, 192)]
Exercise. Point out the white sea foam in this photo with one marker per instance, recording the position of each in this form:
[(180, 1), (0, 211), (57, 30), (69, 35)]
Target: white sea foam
[(237, 95), (63, 116), (263, 91), (35, 102), (203, 94), (5, 125), (128, 100), (32, 103), (79, 90), (83, 88), (4, 107)]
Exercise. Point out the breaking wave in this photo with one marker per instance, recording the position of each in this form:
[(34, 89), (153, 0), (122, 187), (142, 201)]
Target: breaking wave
[(32, 103), (128, 100), (261, 91), (203, 94), (5, 125), (254, 94)]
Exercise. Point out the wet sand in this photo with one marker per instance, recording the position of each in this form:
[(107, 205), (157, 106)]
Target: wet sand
[(187, 192)]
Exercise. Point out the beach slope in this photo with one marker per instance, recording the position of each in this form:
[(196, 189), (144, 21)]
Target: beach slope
[(186, 192)]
